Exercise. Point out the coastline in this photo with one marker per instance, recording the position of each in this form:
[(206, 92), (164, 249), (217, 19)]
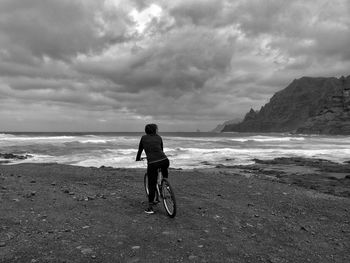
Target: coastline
[(268, 212)]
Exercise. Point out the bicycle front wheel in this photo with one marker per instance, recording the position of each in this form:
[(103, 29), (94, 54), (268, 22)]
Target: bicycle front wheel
[(169, 201)]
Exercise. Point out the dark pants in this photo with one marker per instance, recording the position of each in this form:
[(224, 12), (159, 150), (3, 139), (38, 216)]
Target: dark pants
[(152, 173)]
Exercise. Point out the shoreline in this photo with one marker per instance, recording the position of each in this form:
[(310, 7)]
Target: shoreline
[(64, 213), (311, 173)]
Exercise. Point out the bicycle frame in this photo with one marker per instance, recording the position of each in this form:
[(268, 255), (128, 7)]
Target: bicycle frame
[(166, 194)]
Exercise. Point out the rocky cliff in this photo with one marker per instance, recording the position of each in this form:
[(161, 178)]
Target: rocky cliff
[(221, 126), (307, 105)]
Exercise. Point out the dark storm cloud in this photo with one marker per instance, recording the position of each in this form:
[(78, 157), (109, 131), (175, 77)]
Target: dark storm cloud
[(200, 60), (197, 12), (316, 29), (57, 29), (178, 63)]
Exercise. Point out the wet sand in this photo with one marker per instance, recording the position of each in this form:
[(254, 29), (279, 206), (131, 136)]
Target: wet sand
[(267, 212)]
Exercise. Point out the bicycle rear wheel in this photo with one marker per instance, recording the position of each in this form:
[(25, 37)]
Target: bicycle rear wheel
[(168, 195)]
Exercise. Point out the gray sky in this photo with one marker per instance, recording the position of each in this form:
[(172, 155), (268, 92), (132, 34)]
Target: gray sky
[(113, 65)]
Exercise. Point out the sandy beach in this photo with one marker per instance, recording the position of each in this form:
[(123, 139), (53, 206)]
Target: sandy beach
[(278, 211)]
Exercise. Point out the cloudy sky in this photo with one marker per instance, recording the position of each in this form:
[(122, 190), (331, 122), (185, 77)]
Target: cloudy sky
[(114, 65)]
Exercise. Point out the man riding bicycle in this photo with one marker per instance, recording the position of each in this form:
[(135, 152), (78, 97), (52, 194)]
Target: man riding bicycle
[(152, 143)]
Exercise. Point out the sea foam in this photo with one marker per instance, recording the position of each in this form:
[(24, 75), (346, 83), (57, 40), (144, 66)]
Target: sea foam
[(199, 150)]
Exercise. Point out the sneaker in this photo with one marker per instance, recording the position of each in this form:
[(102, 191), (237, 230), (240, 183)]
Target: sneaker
[(155, 202), (149, 210)]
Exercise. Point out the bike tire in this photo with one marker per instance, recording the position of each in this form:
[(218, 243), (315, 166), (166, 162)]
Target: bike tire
[(168, 198)]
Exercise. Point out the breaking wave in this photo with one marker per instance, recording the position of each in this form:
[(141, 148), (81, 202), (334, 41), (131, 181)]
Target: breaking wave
[(199, 150)]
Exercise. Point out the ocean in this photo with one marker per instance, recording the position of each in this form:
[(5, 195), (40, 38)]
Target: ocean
[(185, 150)]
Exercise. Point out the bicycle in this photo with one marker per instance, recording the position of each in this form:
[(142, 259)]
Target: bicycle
[(164, 191)]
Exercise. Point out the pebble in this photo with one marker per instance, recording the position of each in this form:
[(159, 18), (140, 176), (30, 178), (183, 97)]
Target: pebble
[(133, 260), (16, 200), (192, 257), (135, 247), (32, 193), (2, 244), (32, 181), (273, 259), (86, 251)]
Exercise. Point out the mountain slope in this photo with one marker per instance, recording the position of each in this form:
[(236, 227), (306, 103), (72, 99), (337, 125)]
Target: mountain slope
[(220, 127), (307, 105)]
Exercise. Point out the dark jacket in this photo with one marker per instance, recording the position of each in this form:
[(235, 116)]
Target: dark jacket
[(153, 146)]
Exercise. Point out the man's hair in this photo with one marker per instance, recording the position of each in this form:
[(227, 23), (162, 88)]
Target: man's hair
[(151, 128)]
